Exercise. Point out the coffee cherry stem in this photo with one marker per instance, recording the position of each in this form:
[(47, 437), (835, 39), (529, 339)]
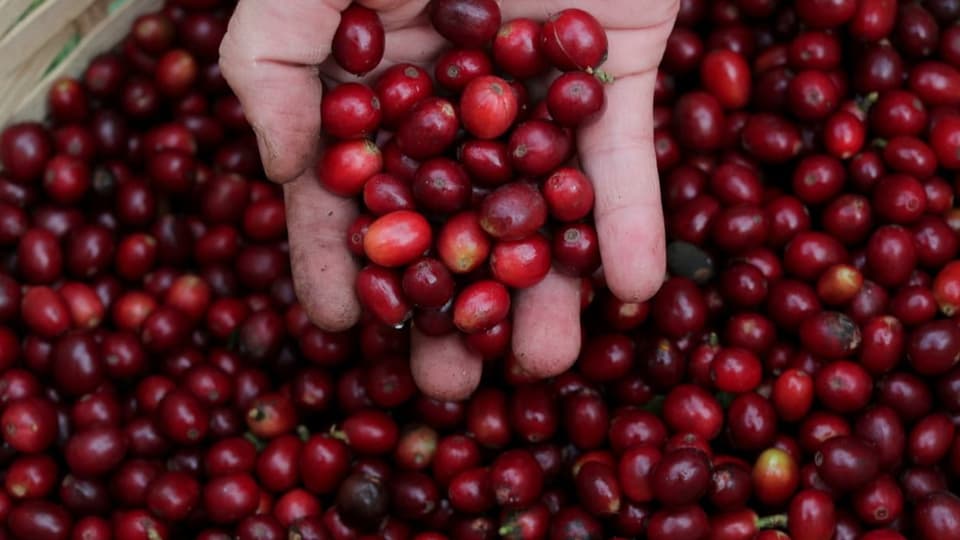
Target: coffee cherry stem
[(508, 530), (865, 102), (601, 75), (256, 441), (655, 405), (338, 434), (775, 521)]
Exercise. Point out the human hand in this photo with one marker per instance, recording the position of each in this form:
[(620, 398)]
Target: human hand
[(272, 55)]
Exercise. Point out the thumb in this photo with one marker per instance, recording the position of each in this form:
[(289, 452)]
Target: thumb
[(269, 56)]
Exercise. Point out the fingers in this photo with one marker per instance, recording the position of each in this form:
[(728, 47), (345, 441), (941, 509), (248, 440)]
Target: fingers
[(323, 268), (396, 13), (617, 152), (546, 331), (418, 44), (442, 367), (616, 149), (269, 56), (627, 14)]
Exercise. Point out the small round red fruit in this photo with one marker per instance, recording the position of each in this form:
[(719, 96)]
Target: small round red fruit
[(488, 107), (726, 75), (397, 239), (569, 194), (359, 40), (350, 111), (521, 263), (574, 98), (481, 305), (573, 40), (345, 167)]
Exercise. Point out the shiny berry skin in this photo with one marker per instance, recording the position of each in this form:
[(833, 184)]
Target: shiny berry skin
[(487, 162), (346, 166), (488, 107), (735, 370), (576, 249), (775, 476), (516, 479), (569, 194), (397, 238), (811, 515), (598, 488), (66, 179), (891, 255), (456, 68), (380, 291), (793, 394), (946, 288), (846, 463), (398, 89), (182, 417), (818, 179), (726, 75), (679, 308), (538, 147), (937, 514), (427, 283), (462, 243), (689, 408), (45, 311), (945, 141), (384, 193), (25, 149), (29, 424), (370, 432), (466, 23), (830, 334), (684, 522), (40, 256), (39, 519), (480, 305), (521, 263), (839, 284), (897, 112), (574, 98), (573, 40), (843, 386), (230, 498), (513, 211), (350, 111), (441, 186), (516, 49), (770, 138), (873, 20), (844, 134), (698, 121), (358, 42), (428, 129), (681, 477), (848, 218), (934, 347), (883, 343), (899, 198)]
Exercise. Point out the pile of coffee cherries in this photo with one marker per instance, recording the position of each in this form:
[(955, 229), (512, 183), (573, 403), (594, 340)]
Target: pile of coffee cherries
[(796, 377), (457, 200)]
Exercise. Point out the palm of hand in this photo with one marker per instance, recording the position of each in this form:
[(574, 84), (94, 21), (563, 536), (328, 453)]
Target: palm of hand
[(271, 55)]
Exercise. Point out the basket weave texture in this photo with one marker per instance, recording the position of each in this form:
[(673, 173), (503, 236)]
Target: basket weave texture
[(44, 40)]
